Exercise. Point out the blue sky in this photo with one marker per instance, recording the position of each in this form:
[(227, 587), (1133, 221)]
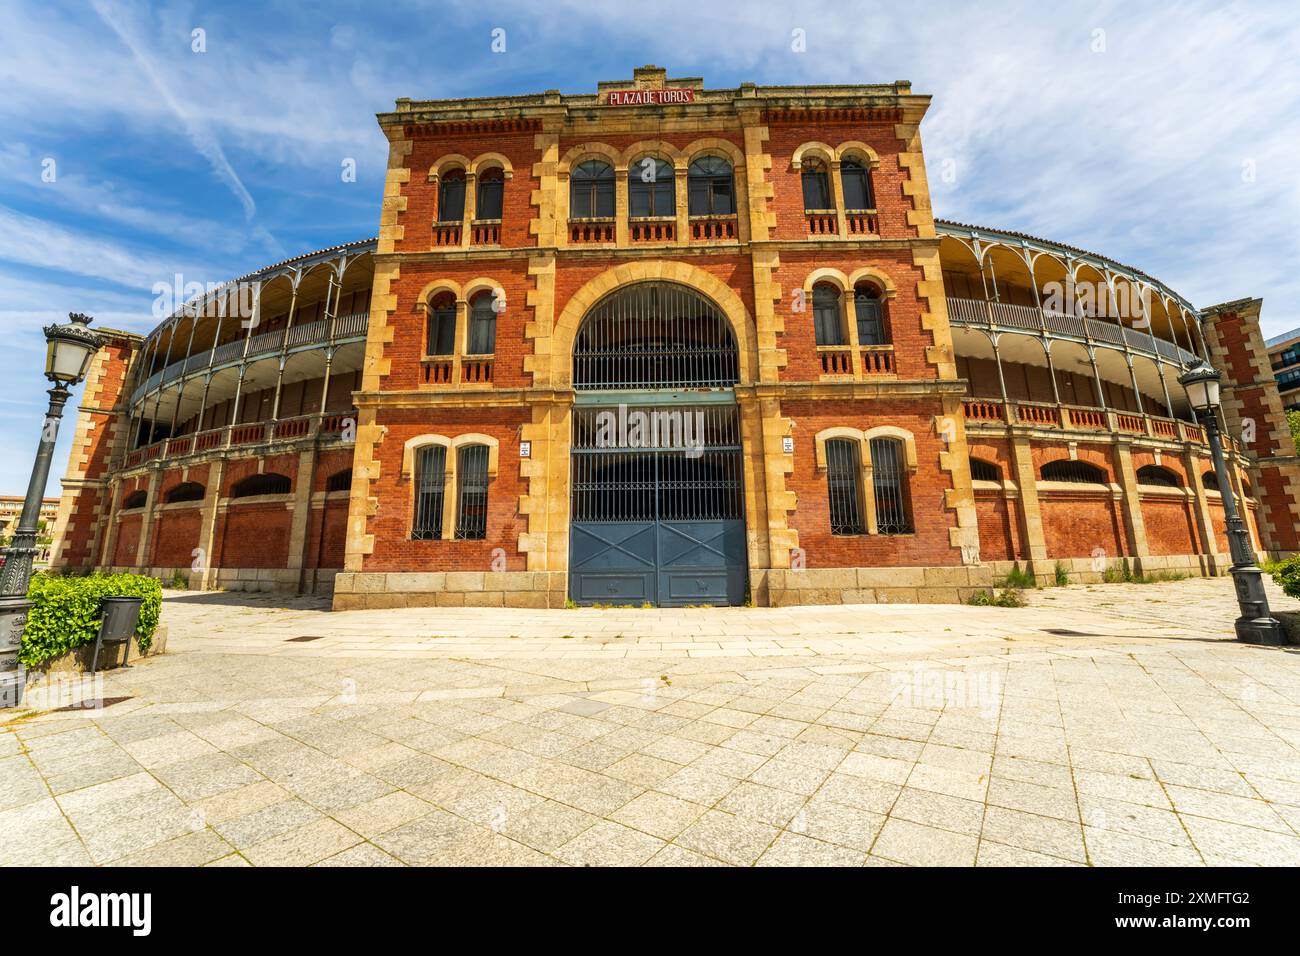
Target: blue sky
[(1161, 135)]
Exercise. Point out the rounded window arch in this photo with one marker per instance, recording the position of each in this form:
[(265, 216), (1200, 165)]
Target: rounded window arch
[(816, 180), (981, 469), (482, 324), (1071, 470), (491, 193), (655, 334), (710, 187), (135, 499), (1157, 475), (451, 196), (870, 313), (591, 190), (827, 327), (269, 483), (1209, 480), (440, 337), (185, 491), (855, 179), (651, 188), (339, 481)]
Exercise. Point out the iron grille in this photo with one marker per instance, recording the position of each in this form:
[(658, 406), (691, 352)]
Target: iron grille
[(890, 486), (655, 335), (683, 465), (471, 510), (1078, 472), (842, 487), (430, 476), (982, 470)]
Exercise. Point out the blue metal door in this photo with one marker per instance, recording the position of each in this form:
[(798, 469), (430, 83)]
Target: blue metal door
[(658, 513)]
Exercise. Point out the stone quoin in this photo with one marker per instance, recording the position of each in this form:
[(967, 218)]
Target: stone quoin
[(888, 407)]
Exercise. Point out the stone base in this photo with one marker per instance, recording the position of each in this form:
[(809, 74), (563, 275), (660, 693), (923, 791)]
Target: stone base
[(267, 580), (1089, 570), (110, 656), (941, 585), (384, 589)]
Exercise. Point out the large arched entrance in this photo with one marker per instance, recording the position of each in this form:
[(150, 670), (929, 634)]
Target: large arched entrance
[(657, 494)]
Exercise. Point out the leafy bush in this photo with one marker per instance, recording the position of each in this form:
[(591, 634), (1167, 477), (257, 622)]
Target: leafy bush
[(1287, 575), (1017, 579), (180, 581), (65, 613), (1062, 575), (1007, 597)]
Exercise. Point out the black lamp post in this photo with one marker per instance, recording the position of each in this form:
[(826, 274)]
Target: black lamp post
[(1256, 625), (67, 359)]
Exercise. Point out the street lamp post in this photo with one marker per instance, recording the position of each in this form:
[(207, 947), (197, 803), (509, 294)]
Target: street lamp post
[(67, 359), (1256, 625)]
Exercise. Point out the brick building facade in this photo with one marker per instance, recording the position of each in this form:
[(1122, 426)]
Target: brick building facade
[(869, 405)]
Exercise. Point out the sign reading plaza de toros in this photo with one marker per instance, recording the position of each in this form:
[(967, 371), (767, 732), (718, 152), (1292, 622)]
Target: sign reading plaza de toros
[(649, 97)]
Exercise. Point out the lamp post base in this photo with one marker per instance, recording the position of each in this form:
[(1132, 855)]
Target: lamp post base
[(13, 618), (1261, 630)]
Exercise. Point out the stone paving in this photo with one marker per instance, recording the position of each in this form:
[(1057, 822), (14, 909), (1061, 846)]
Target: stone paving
[(1104, 725)]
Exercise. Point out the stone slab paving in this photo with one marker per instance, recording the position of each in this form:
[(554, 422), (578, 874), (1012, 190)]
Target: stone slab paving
[(1103, 725)]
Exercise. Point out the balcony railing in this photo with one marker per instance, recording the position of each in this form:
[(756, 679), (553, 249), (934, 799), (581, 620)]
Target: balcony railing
[(583, 231), (861, 222), (982, 411), (485, 232), (1027, 318), (652, 229), (346, 327), (713, 227), (822, 222), (446, 234), (303, 427)]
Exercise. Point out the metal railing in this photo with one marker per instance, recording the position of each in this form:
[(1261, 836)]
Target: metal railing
[(260, 346), (985, 411), (1028, 318), (331, 427)]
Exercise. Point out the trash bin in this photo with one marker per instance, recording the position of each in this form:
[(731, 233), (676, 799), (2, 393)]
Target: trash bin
[(121, 614)]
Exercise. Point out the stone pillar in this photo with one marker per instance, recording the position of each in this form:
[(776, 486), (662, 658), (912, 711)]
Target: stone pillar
[(1214, 560), (1134, 526), (301, 523), (105, 557), (1031, 516), (148, 519), (204, 571)]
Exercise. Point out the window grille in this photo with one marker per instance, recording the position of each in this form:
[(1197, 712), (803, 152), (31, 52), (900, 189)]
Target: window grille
[(816, 186), (451, 196), (491, 190), (442, 327), (591, 191), (870, 315), (981, 470), (826, 316), (890, 479), (266, 484), (709, 187), (185, 491), (856, 181), (472, 488), (1079, 472), (339, 481), (483, 325), (651, 188), (654, 335), (842, 475), (430, 476), (1157, 475)]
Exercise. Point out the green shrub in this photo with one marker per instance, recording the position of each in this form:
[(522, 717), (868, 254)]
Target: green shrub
[(180, 581), (1287, 575), (1017, 579), (65, 612), (1007, 597), (1062, 575)]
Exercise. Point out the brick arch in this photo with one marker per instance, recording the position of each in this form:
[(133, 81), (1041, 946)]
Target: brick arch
[(856, 149), (707, 284), (486, 161), (819, 150), (450, 161), (585, 151), (653, 147)]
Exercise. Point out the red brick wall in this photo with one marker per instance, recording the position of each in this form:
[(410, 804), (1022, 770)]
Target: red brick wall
[(1170, 524), (176, 535), (931, 519), (886, 180), (394, 548), (128, 537), (999, 527), (1075, 523), (254, 535), (327, 535)]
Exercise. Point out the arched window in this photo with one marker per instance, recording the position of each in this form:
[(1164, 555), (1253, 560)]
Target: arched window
[(869, 309), (591, 190), (339, 481), (1156, 475), (451, 196), (482, 325), (651, 188), (709, 187), (430, 477), (855, 178), (826, 315), (842, 474), (491, 190), (135, 499), (185, 491), (441, 339), (1077, 472), (888, 457), (266, 484), (982, 470), (816, 186), (472, 491), (1209, 480), (655, 335)]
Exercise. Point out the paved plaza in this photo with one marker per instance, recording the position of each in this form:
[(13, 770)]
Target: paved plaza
[(1101, 725)]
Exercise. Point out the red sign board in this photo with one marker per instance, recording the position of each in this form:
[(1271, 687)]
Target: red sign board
[(649, 97)]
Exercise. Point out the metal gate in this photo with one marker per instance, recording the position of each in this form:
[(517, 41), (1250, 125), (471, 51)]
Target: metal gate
[(657, 506)]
